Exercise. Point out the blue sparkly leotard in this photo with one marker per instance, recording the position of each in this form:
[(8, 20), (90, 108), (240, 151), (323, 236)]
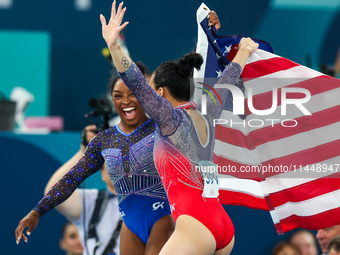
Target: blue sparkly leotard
[(176, 153), (128, 157)]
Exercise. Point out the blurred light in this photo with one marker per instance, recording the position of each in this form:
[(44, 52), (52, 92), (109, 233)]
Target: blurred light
[(82, 5), (6, 4), (306, 4)]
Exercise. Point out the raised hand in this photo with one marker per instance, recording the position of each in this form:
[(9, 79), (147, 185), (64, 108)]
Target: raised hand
[(112, 29), (245, 48), (31, 221), (213, 20), (248, 44)]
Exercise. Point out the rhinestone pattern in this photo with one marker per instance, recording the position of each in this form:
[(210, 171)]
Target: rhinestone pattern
[(129, 161)]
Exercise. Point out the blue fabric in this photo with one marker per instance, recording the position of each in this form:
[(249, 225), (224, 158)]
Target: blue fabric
[(129, 161), (140, 213)]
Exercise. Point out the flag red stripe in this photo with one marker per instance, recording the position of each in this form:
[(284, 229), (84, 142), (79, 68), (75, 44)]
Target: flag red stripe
[(278, 131), (314, 222), (236, 198), (232, 136), (307, 190), (303, 158), (268, 66), (304, 123)]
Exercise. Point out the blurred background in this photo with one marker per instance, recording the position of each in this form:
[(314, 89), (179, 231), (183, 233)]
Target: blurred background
[(53, 49)]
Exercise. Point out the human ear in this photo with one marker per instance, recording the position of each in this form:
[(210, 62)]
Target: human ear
[(160, 91)]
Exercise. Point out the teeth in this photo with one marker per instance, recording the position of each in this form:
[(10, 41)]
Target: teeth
[(129, 109)]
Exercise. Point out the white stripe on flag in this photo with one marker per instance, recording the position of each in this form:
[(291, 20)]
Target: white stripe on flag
[(288, 180), (310, 207), (245, 186), (303, 141), (236, 153), (260, 55), (280, 79)]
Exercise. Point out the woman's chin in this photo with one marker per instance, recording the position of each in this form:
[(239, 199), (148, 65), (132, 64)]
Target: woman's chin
[(133, 121)]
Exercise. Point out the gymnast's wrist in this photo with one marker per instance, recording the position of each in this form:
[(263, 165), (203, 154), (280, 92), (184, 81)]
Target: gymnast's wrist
[(114, 46), (245, 49)]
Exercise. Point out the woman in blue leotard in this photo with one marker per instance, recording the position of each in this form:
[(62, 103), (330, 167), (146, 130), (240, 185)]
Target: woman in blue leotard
[(127, 151)]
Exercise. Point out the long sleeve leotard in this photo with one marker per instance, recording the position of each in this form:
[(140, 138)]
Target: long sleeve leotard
[(130, 165)]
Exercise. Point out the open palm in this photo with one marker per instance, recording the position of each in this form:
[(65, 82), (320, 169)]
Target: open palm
[(112, 29)]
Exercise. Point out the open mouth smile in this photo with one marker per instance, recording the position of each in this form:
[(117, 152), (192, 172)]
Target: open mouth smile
[(129, 112)]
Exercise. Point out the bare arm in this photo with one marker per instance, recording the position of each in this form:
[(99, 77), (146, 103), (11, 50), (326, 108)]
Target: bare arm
[(246, 47), (111, 32), (72, 207), (156, 106)]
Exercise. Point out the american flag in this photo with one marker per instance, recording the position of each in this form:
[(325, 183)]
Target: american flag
[(297, 155)]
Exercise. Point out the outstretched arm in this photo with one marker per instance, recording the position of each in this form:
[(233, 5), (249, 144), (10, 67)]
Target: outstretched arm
[(156, 106), (90, 163)]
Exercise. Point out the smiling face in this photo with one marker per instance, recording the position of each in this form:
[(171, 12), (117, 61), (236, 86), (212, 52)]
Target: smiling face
[(127, 106)]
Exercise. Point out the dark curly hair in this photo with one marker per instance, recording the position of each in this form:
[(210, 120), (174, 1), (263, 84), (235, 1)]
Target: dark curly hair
[(175, 76)]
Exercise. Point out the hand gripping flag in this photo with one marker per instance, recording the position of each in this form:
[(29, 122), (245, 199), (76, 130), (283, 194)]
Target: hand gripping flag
[(283, 154)]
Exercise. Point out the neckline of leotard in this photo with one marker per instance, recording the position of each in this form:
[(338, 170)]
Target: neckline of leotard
[(186, 105), (134, 131)]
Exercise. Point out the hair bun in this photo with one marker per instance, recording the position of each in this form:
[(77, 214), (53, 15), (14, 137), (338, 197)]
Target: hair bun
[(188, 62)]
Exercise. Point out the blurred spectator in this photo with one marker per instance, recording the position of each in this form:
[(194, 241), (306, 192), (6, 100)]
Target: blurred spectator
[(284, 248), (334, 70), (70, 240), (334, 246), (325, 235), (94, 213), (305, 241)]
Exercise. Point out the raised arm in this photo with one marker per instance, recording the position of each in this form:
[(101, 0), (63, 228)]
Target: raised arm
[(231, 75), (156, 106), (110, 32)]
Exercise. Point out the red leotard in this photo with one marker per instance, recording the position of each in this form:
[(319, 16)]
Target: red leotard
[(176, 154)]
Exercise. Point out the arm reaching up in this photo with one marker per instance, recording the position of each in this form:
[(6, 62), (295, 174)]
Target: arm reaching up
[(110, 32), (156, 106)]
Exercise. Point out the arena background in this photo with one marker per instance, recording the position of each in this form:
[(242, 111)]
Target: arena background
[(53, 49)]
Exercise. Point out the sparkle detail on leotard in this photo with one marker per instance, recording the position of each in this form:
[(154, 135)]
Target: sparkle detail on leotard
[(129, 163), (174, 143)]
